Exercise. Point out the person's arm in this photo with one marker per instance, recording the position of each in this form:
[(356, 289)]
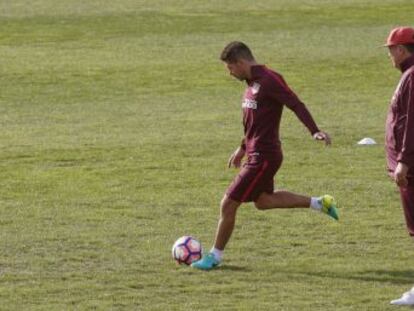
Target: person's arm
[(286, 96), (243, 144), (400, 174), (237, 157), (406, 156)]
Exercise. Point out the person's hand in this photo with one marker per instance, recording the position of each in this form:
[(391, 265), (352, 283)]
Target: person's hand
[(400, 174), (322, 136), (236, 158)]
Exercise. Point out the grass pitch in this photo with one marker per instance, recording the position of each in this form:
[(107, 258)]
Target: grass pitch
[(117, 120)]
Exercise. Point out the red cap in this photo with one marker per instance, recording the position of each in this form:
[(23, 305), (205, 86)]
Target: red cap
[(400, 35)]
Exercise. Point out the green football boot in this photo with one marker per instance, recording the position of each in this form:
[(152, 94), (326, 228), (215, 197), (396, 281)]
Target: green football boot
[(329, 206), (208, 262)]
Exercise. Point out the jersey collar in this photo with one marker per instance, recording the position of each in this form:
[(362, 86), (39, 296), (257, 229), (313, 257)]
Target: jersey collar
[(256, 72)]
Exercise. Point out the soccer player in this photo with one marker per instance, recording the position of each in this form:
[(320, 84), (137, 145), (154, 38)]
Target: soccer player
[(264, 98), (400, 129)]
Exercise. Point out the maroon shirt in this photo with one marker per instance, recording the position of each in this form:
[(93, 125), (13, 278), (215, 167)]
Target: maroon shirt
[(264, 98), (399, 138)]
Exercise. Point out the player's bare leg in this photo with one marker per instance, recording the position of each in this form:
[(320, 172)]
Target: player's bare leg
[(228, 211), (286, 199), (282, 199)]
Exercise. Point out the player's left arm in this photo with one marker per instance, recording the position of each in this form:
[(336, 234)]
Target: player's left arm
[(237, 157), (286, 96)]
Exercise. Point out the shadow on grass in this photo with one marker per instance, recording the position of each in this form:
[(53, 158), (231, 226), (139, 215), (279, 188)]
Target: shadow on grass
[(234, 268), (388, 276)]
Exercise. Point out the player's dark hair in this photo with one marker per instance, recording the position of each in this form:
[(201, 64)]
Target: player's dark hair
[(409, 48), (234, 51)]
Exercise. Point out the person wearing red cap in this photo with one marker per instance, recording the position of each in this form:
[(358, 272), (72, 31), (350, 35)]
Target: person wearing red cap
[(400, 130)]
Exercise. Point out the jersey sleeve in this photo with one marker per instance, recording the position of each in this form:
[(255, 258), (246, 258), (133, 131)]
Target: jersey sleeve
[(243, 144), (284, 95), (406, 155)]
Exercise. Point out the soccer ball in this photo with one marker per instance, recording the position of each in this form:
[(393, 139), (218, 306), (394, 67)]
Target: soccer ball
[(186, 250)]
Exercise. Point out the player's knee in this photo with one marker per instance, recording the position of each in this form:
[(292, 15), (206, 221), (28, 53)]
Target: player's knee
[(262, 202), (223, 202), (228, 208), (260, 206)]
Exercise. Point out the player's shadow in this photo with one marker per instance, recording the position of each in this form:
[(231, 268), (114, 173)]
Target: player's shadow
[(229, 267), (388, 276)]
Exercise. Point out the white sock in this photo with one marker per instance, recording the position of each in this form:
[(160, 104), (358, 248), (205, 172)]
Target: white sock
[(315, 204), (218, 254)]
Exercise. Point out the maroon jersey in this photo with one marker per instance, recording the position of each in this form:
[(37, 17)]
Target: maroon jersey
[(399, 137), (264, 98)]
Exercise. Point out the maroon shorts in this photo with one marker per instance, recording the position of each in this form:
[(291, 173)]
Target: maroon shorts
[(255, 177)]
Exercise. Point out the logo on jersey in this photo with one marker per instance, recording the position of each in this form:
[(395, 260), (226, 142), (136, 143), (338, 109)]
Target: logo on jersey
[(255, 88), (249, 103)]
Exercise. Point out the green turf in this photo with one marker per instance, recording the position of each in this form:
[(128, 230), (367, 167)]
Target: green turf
[(117, 120)]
